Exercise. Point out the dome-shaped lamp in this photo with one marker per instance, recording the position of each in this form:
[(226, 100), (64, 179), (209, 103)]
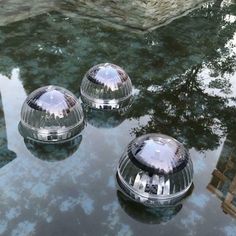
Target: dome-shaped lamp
[(106, 86), (51, 114), (155, 169)]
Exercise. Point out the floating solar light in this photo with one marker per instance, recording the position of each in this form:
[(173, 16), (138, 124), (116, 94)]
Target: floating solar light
[(106, 86), (155, 169), (51, 114)]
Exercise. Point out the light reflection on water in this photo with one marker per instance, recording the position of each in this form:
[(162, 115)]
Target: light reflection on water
[(65, 197)]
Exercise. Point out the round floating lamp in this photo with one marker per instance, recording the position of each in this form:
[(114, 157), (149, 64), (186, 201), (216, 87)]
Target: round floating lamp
[(155, 169), (51, 114), (106, 86)]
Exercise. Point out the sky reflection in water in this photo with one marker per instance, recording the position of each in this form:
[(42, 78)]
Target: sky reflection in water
[(185, 78)]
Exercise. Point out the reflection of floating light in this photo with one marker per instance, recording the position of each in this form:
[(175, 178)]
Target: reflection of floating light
[(53, 151), (104, 119), (148, 214), (106, 86), (51, 114), (155, 169)]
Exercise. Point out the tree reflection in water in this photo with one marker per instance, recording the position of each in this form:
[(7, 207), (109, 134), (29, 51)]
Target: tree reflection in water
[(195, 104), (184, 109), (176, 68)]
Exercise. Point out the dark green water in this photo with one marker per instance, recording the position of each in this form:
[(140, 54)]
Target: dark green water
[(184, 76)]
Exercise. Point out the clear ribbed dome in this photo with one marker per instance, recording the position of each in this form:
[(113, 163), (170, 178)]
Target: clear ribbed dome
[(51, 114), (106, 86), (155, 169)]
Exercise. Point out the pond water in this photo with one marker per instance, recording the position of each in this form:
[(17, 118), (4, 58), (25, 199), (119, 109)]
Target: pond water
[(184, 75)]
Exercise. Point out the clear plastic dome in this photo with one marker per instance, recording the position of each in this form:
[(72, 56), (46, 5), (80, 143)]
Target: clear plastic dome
[(155, 169), (106, 86), (51, 114)]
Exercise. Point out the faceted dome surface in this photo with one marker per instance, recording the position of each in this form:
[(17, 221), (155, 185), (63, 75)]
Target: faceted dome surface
[(51, 114), (106, 86), (155, 167)]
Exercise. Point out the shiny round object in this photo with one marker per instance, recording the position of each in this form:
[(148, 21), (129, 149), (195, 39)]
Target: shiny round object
[(51, 114), (106, 86), (155, 169)]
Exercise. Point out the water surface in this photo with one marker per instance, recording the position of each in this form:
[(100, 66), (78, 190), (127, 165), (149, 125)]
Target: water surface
[(184, 75)]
